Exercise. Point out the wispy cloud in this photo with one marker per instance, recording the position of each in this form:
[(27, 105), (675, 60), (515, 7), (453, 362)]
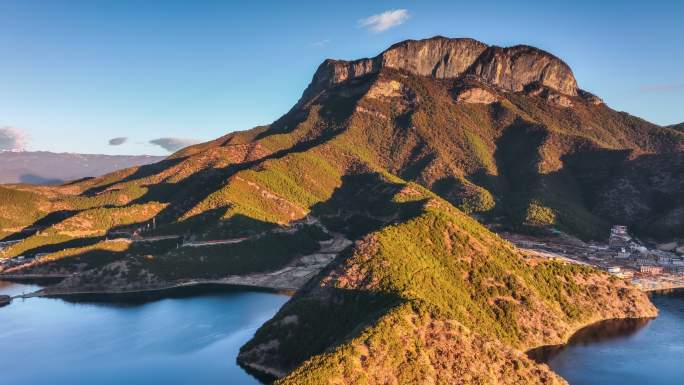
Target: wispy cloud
[(173, 144), (12, 138), (384, 21), (662, 88), (118, 141), (321, 43)]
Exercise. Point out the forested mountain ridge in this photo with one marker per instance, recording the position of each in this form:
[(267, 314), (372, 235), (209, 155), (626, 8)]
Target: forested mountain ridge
[(393, 154)]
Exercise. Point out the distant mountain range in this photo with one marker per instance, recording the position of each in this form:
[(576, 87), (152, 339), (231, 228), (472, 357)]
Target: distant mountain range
[(43, 167)]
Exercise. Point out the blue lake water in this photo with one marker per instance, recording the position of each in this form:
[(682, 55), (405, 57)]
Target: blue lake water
[(628, 352), (173, 341), (195, 339)]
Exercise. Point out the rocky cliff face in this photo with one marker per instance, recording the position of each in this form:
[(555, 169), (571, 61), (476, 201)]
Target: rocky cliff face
[(511, 69)]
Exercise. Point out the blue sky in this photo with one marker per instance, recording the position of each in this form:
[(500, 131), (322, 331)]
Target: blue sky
[(75, 74)]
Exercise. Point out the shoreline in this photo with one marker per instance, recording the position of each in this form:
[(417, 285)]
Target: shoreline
[(567, 339), (660, 288), (192, 288), (10, 277), (597, 323), (35, 279), (152, 292), (532, 354), (665, 291), (268, 372), (162, 291)]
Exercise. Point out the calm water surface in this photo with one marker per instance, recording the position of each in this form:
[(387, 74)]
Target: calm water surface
[(630, 352), (192, 340)]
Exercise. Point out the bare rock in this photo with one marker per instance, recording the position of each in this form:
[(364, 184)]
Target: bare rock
[(590, 98), (386, 88), (551, 97), (516, 67), (559, 100), (438, 57), (511, 68), (476, 96)]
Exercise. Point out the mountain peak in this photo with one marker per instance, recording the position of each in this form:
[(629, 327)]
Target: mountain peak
[(509, 68)]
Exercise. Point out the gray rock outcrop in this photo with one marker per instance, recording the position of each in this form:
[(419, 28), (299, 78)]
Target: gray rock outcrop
[(511, 69)]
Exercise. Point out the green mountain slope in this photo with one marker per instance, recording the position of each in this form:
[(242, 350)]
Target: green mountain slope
[(389, 152), (434, 298), (530, 158)]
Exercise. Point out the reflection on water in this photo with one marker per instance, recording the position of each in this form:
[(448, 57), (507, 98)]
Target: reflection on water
[(625, 352), (175, 341), (603, 331), (12, 288), (181, 339)]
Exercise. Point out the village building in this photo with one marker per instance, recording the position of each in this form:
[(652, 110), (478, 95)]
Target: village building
[(645, 261), (652, 270), (619, 230), (6, 244), (674, 269), (623, 254), (619, 237), (664, 260), (627, 274)]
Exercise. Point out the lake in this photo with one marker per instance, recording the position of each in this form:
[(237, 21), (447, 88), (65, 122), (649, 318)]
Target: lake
[(194, 339), (626, 352), (181, 340)]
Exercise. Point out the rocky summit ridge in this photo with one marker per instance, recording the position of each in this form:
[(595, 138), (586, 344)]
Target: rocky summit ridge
[(511, 68)]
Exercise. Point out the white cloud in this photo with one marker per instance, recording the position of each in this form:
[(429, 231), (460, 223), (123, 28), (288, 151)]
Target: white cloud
[(321, 43), (384, 21), (173, 144), (12, 138), (118, 141)]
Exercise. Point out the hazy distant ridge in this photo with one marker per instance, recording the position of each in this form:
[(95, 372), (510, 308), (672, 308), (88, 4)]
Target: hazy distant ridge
[(42, 167)]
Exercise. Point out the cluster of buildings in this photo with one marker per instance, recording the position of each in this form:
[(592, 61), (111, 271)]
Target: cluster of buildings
[(19, 260), (6, 244), (6, 263), (651, 267), (659, 267), (665, 258)]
